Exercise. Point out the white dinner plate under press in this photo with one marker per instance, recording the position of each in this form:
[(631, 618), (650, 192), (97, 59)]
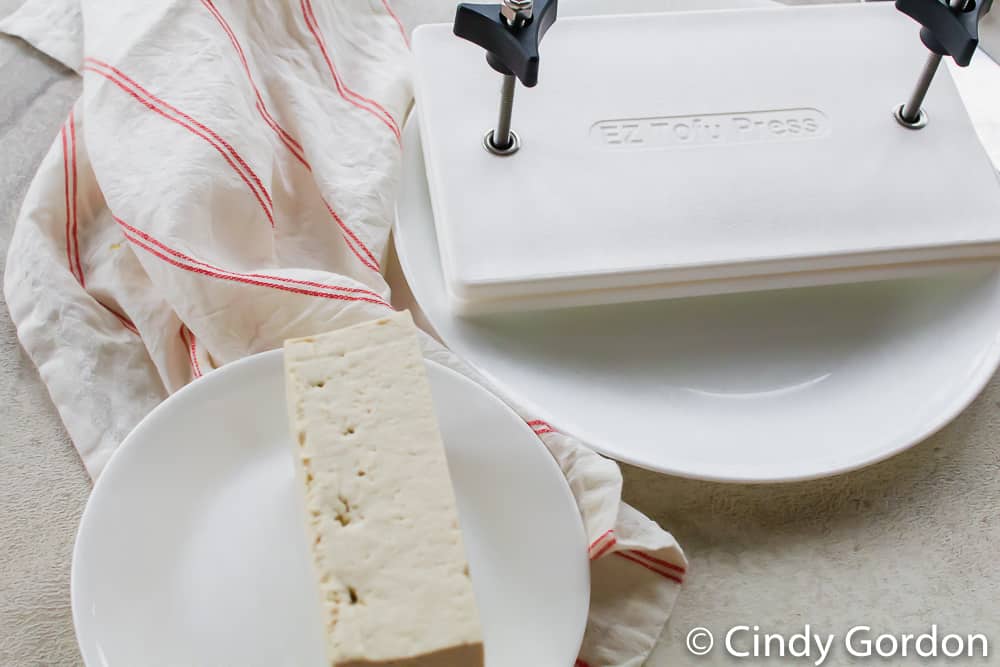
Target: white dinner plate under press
[(763, 387), (191, 550)]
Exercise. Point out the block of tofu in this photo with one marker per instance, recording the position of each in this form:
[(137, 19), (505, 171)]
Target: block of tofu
[(380, 511)]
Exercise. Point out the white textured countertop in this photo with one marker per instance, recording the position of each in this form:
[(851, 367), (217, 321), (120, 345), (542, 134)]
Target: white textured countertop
[(898, 546)]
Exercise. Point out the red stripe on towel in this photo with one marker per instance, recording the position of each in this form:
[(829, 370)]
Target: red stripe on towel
[(605, 549), (238, 277), (540, 427), (187, 336), (187, 258), (232, 151), (632, 554), (126, 322), (365, 256), (600, 539), (72, 217), (157, 105), (628, 556), (657, 561), (293, 145), (69, 206), (75, 200), (369, 259), (402, 30), (360, 101)]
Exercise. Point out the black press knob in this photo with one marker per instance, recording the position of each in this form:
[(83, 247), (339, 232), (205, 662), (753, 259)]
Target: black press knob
[(948, 30), (511, 46)]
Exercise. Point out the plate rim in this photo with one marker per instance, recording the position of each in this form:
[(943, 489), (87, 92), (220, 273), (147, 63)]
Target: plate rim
[(211, 378), (984, 371)]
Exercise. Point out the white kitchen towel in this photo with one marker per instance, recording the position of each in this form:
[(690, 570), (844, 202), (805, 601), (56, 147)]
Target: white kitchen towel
[(225, 182)]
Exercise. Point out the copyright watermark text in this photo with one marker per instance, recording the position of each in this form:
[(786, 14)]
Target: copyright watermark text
[(861, 641)]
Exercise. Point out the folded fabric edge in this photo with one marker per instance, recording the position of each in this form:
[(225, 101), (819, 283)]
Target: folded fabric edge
[(28, 22)]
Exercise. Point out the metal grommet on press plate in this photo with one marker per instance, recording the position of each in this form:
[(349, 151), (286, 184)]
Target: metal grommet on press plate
[(515, 144), (919, 123)]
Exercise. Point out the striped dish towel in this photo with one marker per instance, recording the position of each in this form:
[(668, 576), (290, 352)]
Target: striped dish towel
[(225, 182)]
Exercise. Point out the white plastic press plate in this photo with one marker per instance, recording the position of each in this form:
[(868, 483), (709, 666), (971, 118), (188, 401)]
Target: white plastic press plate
[(702, 152)]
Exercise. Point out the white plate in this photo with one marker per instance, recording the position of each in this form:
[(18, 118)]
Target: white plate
[(770, 386), (191, 550)]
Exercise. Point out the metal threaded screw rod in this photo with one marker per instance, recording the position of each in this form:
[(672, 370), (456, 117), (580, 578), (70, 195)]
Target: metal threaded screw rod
[(911, 114), (501, 135), (501, 140)]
